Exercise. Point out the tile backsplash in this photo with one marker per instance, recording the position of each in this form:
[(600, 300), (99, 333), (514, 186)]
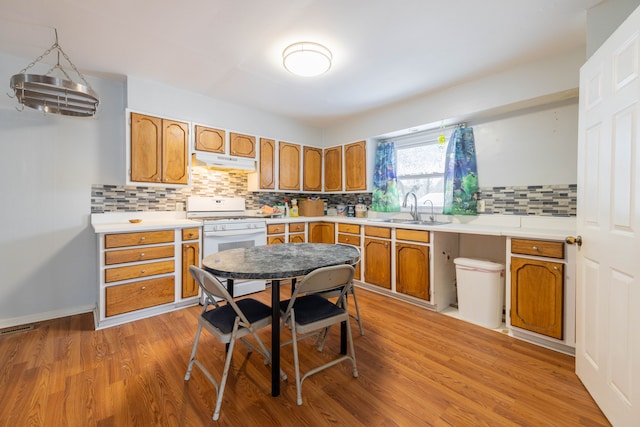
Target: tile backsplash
[(552, 200)]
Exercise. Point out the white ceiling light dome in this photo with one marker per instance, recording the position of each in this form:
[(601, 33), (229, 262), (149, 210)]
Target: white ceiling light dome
[(307, 59)]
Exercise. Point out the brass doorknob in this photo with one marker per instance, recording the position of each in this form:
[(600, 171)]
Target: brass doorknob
[(574, 240)]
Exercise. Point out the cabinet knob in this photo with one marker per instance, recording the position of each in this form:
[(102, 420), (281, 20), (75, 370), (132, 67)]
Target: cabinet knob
[(555, 267), (142, 239), (143, 288), (142, 254), (190, 234), (574, 240), (143, 271), (535, 248)]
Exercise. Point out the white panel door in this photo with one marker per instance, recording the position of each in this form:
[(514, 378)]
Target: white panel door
[(608, 263)]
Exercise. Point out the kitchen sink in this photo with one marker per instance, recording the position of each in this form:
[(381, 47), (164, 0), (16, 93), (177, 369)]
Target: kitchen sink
[(408, 221)]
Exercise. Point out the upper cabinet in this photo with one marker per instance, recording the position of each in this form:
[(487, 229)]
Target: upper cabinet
[(267, 164), (209, 139), (355, 166), (159, 150), (312, 169), (333, 169), (242, 145), (289, 166)]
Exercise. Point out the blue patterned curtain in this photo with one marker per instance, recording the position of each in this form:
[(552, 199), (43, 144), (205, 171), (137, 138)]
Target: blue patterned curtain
[(385, 183), (461, 174)]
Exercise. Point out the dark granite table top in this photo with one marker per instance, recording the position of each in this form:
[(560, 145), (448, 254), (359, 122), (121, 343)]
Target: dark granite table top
[(278, 261)]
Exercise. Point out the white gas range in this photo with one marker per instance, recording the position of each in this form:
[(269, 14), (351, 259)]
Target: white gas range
[(226, 225)]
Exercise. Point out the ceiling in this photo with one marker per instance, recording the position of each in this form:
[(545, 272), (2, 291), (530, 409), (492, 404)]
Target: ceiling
[(384, 51)]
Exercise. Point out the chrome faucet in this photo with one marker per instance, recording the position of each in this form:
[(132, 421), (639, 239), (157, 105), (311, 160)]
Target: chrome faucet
[(432, 218), (414, 207)]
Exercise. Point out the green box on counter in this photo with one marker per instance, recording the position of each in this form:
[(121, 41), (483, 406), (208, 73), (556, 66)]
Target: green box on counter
[(308, 207)]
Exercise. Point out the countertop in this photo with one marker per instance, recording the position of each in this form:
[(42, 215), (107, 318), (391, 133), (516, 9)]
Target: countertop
[(551, 228), (118, 222)]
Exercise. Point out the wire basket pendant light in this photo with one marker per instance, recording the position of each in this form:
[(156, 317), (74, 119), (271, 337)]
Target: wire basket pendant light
[(51, 94)]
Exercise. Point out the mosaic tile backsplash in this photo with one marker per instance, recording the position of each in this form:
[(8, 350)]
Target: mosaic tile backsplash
[(551, 200)]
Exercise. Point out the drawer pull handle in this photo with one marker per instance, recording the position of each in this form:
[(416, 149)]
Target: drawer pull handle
[(190, 234), (142, 239), (143, 288), (535, 248), (555, 267), (143, 271), (142, 254)]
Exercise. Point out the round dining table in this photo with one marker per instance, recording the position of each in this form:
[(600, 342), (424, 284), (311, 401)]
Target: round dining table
[(275, 263)]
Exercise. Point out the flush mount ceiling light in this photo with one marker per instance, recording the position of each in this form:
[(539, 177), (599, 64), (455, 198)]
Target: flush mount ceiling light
[(307, 59), (52, 94)]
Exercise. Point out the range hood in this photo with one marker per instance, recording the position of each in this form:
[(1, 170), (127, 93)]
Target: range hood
[(221, 162)]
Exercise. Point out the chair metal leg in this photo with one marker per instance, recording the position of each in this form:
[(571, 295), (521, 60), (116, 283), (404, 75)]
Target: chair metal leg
[(193, 354), (225, 373), (355, 301), (296, 362)]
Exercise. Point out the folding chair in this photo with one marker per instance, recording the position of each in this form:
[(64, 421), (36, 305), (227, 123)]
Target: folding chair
[(308, 313), (227, 322)]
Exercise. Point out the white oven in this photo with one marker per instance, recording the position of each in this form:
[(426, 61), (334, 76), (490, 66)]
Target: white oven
[(226, 226)]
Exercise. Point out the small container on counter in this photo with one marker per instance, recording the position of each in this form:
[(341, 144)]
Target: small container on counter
[(361, 209), (351, 210), (341, 210)]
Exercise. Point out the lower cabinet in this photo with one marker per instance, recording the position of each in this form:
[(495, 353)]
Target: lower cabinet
[(537, 286), (275, 234), (377, 256), (145, 273), (322, 232), (412, 263), (296, 232), (349, 234)]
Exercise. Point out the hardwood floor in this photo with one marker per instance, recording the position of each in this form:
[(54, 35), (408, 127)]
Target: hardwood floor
[(417, 368)]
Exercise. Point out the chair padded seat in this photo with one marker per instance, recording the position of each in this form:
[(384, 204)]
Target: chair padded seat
[(311, 308), (224, 317)]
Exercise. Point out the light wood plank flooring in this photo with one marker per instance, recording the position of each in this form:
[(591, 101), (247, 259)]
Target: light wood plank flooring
[(417, 368)]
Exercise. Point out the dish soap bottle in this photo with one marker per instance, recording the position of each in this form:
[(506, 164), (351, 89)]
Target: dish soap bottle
[(294, 207)]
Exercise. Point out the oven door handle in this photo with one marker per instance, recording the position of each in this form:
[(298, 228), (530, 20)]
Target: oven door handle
[(248, 231)]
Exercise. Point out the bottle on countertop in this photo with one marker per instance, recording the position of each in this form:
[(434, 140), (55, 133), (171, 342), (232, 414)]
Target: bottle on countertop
[(294, 207), (361, 208)]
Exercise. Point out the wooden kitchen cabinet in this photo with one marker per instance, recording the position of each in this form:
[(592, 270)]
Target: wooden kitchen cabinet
[(159, 150), (296, 232), (210, 139), (322, 232), (333, 169), (349, 234), (144, 273), (312, 169), (537, 288), (275, 234), (190, 256), (242, 145), (289, 166), (355, 166), (412, 270), (377, 256), (267, 164)]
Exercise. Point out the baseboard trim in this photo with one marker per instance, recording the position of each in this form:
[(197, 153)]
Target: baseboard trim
[(48, 315)]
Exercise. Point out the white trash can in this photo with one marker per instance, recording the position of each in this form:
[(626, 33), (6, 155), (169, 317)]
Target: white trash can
[(480, 291)]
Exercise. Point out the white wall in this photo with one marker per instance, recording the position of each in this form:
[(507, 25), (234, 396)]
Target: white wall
[(48, 258)]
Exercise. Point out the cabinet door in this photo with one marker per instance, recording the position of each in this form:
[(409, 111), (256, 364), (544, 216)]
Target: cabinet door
[(209, 139), (322, 232), (377, 262), (146, 151), (355, 166), (175, 152), (296, 238), (312, 169), (242, 145), (537, 296), (412, 270), (333, 169), (289, 165), (267, 164), (275, 240), (190, 256)]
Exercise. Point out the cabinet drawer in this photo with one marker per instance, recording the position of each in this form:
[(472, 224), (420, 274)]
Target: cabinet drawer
[(138, 254), (412, 235), (275, 240), (349, 228), (138, 295), (135, 239), (275, 228), (296, 238), (349, 239), (377, 231), (190, 233), (139, 270), (538, 248), (296, 227)]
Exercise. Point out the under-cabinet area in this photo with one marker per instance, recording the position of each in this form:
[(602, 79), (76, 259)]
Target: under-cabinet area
[(144, 271)]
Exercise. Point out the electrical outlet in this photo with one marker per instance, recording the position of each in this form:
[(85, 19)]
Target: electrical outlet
[(480, 206)]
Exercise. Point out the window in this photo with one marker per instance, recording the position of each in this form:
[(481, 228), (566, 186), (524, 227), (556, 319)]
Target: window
[(420, 166)]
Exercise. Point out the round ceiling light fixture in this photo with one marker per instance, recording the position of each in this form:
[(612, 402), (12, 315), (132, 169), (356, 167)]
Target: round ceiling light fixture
[(307, 59)]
